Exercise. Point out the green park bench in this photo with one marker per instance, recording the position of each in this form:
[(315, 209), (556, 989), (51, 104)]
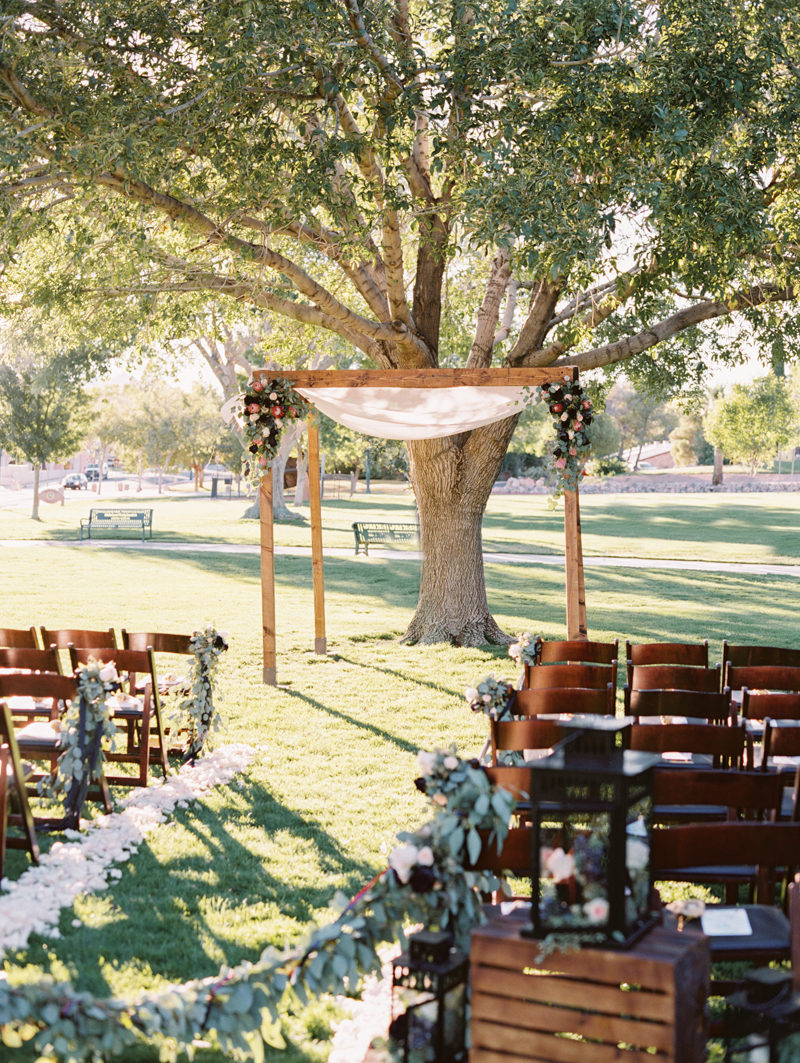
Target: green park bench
[(117, 519), (367, 533)]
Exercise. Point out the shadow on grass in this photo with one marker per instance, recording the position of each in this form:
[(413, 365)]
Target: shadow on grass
[(370, 728), (393, 672)]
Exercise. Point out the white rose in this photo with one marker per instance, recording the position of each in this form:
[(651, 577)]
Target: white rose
[(426, 762), (597, 910), (265, 432), (561, 865), (451, 763), (514, 649), (108, 673), (487, 698), (471, 694), (273, 395), (637, 854), (402, 859), (564, 416), (425, 856), (254, 416), (439, 799)]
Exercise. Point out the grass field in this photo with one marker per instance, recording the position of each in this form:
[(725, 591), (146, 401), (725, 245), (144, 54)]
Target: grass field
[(742, 528), (337, 739)]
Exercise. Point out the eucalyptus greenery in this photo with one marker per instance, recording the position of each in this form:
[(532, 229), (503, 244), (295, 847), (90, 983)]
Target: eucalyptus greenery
[(198, 707), (490, 695), (527, 649), (265, 408), (85, 725), (238, 1009)]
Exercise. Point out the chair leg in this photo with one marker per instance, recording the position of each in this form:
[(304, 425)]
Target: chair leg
[(162, 741), (3, 806), (144, 745)]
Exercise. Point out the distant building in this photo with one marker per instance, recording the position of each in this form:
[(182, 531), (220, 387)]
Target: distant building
[(657, 455)]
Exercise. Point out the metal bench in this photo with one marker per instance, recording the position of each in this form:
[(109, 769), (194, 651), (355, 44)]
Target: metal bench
[(367, 533), (117, 519)]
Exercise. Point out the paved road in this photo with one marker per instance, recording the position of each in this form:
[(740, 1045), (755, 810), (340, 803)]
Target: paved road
[(401, 555)]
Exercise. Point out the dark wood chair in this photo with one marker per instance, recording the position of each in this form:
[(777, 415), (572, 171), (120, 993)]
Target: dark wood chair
[(573, 676), (782, 739), (556, 701), (26, 659), (162, 642), (692, 704), (525, 733), (137, 719), (62, 637), (19, 637), (36, 694), (774, 848), (763, 705), (761, 677), (687, 654), (675, 677), (725, 746), (757, 656), (577, 651), (694, 795), (39, 740), (13, 792)]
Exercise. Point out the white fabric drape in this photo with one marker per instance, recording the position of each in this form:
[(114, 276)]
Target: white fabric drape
[(416, 413)]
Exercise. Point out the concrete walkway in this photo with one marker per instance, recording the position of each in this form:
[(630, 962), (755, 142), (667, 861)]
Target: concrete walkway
[(739, 569)]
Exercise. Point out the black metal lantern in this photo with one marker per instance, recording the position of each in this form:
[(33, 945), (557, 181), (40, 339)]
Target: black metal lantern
[(429, 984), (591, 813)]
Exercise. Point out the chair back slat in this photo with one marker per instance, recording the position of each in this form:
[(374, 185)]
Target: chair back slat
[(62, 637), (21, 638), (161, 642), (29, 660), (675, 677), (524, 733), (557, 700), (738, 790), (589, 676), (694, 703), (136, 661), (516, 780), (575, 651), (727, 744), (763, 677), (685, 654), (726, 844), (38, 685), (755, 656), (758, 706), (779, 742)]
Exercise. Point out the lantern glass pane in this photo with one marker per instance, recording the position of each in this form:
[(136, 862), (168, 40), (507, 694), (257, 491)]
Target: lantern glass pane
[(637, 862), (573, 871), (454, 1016), (422, 1015)]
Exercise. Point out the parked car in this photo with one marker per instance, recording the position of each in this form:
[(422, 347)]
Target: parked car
[(76, 481), (93, 471)]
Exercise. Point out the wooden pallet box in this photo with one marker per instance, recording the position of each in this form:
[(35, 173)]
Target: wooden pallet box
[(642, 1005)]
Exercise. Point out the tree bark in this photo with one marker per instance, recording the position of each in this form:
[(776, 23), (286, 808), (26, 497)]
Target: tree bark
[(716, 477), (452, 479)]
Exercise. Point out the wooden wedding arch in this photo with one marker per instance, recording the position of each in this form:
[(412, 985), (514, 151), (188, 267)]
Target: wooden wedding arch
[(399, 378)]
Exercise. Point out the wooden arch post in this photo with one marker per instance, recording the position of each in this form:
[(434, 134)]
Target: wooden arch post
[(398, 378)]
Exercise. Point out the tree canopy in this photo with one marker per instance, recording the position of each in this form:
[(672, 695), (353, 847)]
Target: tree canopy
[(750, 423)]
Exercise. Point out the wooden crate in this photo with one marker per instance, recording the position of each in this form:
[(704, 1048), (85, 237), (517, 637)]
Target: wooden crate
[(651, 996)]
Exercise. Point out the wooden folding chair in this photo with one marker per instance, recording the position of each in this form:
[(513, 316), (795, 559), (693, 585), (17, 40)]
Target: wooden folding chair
[(161, 642), (725, 746), (523, 735), (691, 704), (687, 654), (19, 638), (40, 740), (696, 795), (26, 659), (762, 677), (757, 656), (12, 789), (763, 705), (573, 676), (782, 739), (35, 694), (556, 701), (675, 677), (137, 718), (774, 848), (576, 651), (62, 637)]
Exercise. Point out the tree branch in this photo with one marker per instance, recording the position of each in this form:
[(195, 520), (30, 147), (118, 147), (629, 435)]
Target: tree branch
[(595, 316), (543, 300), (480, 355)]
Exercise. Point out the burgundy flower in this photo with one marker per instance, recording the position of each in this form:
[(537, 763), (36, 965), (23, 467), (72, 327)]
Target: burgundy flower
[(422, 879)]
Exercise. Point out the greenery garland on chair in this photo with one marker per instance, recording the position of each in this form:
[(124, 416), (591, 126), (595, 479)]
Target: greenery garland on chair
[(85, 724), (265, 408), (428, 881), (207, 646)]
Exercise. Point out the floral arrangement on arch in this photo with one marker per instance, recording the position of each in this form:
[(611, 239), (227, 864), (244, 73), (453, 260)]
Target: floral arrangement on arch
[(527, 649), (491, 696), (198, 707), (265, 408), (571, 411)]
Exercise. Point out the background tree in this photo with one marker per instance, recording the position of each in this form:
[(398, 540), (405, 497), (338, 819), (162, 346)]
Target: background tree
[(688, 444), (640, 417), (592, 183), (41, 407), (751, 422)]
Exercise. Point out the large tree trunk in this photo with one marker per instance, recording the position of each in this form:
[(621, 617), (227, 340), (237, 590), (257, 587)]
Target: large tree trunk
[(452, 480)]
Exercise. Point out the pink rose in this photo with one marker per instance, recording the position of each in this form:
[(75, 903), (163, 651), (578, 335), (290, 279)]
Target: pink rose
[(574, 453), (258, 386), (561, 463)]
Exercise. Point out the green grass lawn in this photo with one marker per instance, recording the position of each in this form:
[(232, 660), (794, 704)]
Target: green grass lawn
[(337, 739), (743, 528)]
